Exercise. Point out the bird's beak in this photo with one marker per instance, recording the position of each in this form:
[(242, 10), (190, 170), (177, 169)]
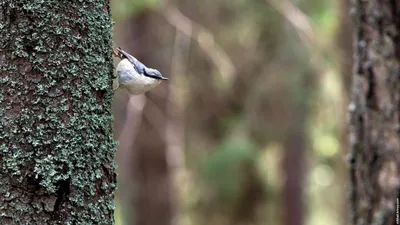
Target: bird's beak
[(164, 78)]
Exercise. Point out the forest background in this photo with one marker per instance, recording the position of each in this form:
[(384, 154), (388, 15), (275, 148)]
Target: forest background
[(252, 127)]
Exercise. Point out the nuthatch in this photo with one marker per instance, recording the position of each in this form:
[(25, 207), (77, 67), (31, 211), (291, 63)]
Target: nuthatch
[(133, 76)]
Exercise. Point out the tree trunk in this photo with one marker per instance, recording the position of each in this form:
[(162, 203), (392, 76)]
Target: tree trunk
[(56, 145), (293, 167), (375, 113), (344, 43), (153, 202)]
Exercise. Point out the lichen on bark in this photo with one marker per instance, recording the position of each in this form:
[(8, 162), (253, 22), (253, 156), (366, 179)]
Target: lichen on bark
[(56, 147)]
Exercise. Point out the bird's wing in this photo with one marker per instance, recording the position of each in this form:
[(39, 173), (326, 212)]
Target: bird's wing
[(153, 73), (140, 67)]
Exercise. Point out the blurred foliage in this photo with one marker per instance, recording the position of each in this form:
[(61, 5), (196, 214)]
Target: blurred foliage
[(123, 9), (223, 169), (117, 213)]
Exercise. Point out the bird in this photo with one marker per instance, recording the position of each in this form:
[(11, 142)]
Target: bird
[(133, 76)]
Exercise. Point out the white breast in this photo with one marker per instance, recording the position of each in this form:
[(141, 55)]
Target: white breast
[(132, 81)]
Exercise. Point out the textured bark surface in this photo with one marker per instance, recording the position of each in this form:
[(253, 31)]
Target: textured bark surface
[(56, 145), (375, 112)]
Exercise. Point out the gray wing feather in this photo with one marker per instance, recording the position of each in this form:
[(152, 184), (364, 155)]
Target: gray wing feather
[(140, 67)]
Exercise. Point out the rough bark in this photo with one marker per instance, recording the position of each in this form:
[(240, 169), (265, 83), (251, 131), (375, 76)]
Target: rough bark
[(375, 112), (56, 145)]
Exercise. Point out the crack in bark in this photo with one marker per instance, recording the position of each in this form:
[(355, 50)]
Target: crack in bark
[(62, 193)]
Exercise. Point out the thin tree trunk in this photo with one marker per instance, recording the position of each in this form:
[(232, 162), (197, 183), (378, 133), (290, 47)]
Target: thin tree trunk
[(154, 204), (344, 42), (375, 113), (56, 144), (294, 167)]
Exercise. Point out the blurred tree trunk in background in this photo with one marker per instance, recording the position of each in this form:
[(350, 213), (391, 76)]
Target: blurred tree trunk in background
[(344, 38), (155, 202), (299, 86), (294, 167), (344, 42), (57, 152), (375, 113), (149, 191)]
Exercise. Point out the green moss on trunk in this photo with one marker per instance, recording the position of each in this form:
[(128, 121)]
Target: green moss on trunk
[(56, 147)]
